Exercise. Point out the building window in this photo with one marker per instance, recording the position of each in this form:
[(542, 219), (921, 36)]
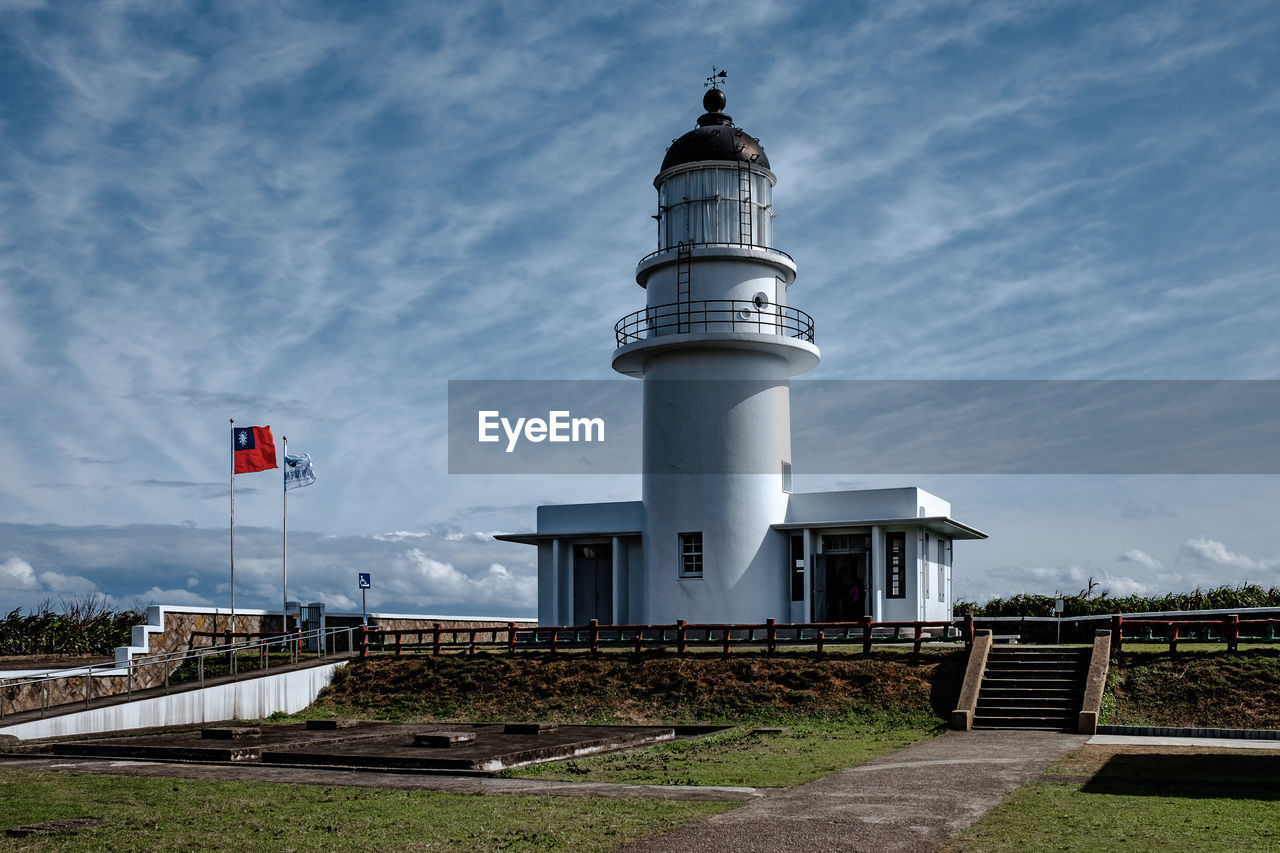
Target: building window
[(797, 568), (924, 566), (944, 561), (895, 565), (845, 542), (691, 555), (786, 477)]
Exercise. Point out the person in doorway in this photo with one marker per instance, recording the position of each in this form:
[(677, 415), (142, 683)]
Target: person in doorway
[(854, 606)]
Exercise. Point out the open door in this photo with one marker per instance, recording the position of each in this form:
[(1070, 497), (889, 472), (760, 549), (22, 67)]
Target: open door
[(842, 578)]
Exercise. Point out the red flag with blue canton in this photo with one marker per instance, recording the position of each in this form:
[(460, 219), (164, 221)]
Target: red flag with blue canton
[(254, 448)]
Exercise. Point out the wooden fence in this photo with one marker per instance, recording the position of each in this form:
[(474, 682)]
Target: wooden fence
[(680, 635), (1229, 629)]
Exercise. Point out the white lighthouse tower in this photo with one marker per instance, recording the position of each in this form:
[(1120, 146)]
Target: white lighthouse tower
[(719, 536), (715, 344)]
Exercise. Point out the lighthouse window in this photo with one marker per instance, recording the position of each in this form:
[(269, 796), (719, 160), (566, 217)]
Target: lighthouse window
[(705, 206), (691, 555)]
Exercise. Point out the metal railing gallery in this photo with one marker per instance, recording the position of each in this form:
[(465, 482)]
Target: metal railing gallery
[(713, 315)]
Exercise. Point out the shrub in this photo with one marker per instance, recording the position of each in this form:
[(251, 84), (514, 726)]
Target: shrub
[(1093, 602), (81, 626)]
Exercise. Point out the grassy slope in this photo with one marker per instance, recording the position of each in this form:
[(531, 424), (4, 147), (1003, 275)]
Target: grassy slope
[(647, 688), (839, 709), (1196, 688)]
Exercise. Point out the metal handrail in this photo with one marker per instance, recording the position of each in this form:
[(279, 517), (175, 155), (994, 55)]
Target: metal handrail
[(170, 660), (720, 243), (713, 315)]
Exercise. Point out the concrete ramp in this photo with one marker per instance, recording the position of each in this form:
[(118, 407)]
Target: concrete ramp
[(288, 691)]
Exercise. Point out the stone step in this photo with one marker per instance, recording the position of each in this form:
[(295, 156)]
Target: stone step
[(1049, 725), (1037, 661), (1071, 659), (1020, 692), (997, 709), (1032, 683), (1024, 703), (1034, 673)]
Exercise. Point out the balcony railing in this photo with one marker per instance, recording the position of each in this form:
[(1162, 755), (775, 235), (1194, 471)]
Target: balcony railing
[(713, 315)]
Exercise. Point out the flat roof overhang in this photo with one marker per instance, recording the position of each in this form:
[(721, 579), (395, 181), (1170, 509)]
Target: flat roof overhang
[(535, 538), (949, 527)]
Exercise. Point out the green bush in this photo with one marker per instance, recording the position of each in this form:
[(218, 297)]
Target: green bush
[(82, 626), (1093, 602)]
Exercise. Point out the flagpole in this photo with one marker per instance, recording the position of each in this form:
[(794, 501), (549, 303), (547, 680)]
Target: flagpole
[(233, 525), (284, 481)]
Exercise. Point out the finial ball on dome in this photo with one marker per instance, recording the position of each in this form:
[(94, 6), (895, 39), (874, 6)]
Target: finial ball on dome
[(713, 101)]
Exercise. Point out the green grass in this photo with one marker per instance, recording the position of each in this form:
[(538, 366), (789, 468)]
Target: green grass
[(1139, 798), (810, 748), (183, 815)]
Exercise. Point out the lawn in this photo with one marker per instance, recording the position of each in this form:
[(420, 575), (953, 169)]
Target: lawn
[(806, 749), (1139, 798), (182, 815)]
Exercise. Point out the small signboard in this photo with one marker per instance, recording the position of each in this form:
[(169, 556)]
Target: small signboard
[(364, 580)]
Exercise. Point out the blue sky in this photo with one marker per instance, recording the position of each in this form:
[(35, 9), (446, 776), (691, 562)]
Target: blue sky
[(315, 215)]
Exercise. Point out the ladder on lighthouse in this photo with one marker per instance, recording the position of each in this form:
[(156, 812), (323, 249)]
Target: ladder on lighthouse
[(744, 204), (683, 255)]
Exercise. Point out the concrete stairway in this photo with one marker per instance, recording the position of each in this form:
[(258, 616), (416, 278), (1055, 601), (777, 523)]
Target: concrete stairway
[(1032, 687)]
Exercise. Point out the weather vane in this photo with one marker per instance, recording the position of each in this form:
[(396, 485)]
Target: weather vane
[(717, 76)]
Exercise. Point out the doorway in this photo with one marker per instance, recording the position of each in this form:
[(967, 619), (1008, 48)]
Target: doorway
[(593, 583), (843, 594)]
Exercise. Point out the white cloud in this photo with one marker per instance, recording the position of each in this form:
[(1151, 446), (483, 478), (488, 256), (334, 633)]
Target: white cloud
[(180, 597), (441, 582), (1067, 579), (1214, 553), (1142, 558), (67, 584), (17, 574)]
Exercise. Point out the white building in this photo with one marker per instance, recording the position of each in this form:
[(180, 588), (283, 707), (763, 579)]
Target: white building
[(719, 536)]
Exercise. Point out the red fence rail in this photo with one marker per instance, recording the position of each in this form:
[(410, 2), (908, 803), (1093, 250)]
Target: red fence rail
[(680, 635), (1229, 629)]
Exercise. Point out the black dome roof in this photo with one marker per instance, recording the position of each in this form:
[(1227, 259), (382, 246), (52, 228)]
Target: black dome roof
[(715, 138)]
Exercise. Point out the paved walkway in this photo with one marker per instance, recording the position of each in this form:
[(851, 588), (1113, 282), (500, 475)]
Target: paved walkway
[(1201, 742), (910, 800)]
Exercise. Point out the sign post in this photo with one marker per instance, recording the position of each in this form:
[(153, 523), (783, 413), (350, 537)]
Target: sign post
[(365, 585)]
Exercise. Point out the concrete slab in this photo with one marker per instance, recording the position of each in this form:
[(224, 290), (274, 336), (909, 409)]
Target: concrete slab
[(492, 749), (213, 743), (382, 746)]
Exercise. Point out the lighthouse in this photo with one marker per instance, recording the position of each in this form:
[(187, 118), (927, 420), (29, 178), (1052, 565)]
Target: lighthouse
[(719, 535), (715, 345)]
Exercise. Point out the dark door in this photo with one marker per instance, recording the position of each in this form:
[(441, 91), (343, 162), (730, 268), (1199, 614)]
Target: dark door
[(845, 588), (592, 584)]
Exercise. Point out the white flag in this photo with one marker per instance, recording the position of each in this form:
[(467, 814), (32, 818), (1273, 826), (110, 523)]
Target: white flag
[(298, 471)]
